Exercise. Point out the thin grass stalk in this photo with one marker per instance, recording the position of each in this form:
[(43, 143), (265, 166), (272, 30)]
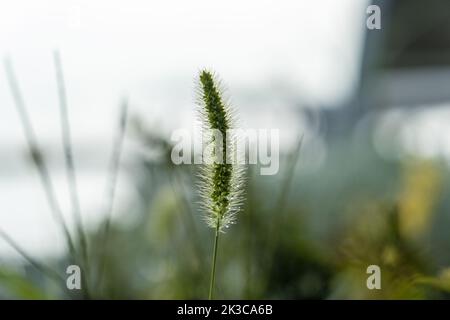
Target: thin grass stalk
[(46, 270), (38, 160), (280, 204), (111, 185), (249, 235), (188, 219), (286, 185), (179, 180), (213, 263), (69, 161)]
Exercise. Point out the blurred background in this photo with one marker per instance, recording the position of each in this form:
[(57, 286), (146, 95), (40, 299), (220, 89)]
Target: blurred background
[(368, 185)]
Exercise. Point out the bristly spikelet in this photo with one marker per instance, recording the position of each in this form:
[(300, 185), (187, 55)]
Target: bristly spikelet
[(221, 186)]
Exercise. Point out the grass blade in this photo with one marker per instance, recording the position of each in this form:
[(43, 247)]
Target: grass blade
[(113, 172), (37, 265), (68, 155), (36, 154)]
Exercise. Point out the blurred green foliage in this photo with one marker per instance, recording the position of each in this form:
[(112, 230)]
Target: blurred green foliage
[(356, 210)]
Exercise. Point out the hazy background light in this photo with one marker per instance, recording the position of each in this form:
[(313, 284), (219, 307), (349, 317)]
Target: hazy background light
[(151, 51)]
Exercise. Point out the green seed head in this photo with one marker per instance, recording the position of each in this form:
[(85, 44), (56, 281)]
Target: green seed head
[(221, 182)]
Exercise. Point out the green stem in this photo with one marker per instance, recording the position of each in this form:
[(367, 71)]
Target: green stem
[(214, 258)]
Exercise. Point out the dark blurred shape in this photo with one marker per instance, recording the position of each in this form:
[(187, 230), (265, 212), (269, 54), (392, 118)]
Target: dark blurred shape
[(417, 34)]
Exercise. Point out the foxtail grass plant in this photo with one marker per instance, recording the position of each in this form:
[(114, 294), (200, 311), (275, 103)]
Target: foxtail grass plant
[(111, 185), (39, 162), (221, 187), (69, 163), (36, 154)]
